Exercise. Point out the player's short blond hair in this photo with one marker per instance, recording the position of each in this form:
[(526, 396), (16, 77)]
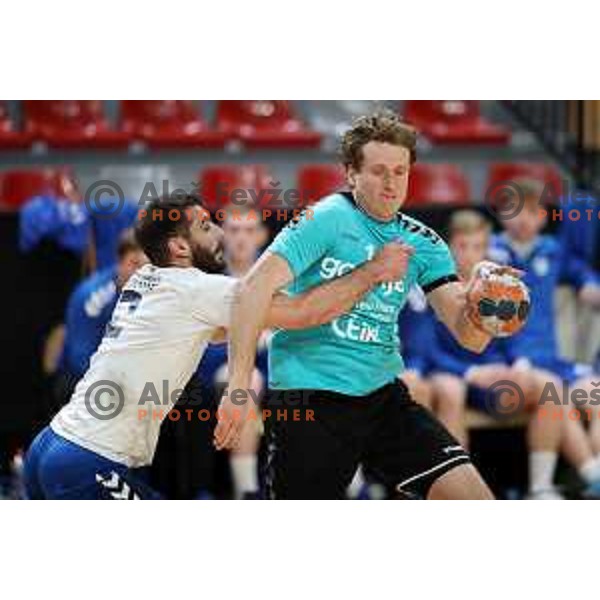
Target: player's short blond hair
[(530, 189), (382, 126), (127, 243), (467, 222)]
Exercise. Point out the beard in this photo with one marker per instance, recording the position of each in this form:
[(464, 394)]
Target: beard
[(211, 261)]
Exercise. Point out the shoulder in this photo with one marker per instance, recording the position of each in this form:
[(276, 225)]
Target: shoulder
[(499, 250), (549, 243), (196, 281), (319, 220), (417, 233), (334, 206)]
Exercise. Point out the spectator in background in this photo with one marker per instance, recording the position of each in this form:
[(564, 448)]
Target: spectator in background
[(546, 264), (89, 310), (415, 323), (579, 237), (59, 217), (90, 230), (244, 238), (463, 375), (580, 240)]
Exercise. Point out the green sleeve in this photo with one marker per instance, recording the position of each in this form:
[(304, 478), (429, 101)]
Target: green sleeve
[(436, 264)]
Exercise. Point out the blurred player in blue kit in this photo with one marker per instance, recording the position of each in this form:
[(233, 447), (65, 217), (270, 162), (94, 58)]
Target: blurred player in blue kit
[(91, 305), (547, 265)]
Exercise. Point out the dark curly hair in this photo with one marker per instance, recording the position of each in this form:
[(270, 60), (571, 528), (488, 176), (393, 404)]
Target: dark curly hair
[(382, 126), (161, 220)]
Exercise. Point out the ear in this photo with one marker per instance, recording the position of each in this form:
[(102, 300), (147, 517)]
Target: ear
[(351, 176), (179, 247)]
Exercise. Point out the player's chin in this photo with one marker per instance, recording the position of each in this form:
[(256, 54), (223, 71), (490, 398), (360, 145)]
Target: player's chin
[(390, 210), (391, 205)]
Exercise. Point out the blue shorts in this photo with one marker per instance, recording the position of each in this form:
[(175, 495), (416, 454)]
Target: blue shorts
[(57, 469)]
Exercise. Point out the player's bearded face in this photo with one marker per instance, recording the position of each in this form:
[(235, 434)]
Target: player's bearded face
[(381, 183), (207, 248)]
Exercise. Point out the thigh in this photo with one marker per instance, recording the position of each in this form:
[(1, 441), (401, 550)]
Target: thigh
[(33, 489), (485, 376), (410, 449), (314, 456), (66, 471)]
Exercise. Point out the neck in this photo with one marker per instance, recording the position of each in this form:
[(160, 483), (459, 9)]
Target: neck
[(238, 268), (521, 243), (183, 262)]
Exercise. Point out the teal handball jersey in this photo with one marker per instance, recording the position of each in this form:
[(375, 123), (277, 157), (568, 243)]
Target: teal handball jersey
[(360, 351)]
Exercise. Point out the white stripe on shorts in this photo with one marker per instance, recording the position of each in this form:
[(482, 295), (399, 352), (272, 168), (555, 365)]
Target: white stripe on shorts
[(462, 457)]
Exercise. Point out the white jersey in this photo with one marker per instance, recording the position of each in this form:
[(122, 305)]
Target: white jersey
[(159, 330)]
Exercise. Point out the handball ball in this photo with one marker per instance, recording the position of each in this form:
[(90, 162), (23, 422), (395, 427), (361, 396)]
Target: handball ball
[(499, 304)]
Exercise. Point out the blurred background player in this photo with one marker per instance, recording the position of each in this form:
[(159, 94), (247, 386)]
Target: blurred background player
[(89, 310), (416, 332), (460, 375), (463, 376), (579, 239), (92, 230), (546, 265)]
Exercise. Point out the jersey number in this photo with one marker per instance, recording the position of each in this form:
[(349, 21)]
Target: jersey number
[(126, 306)]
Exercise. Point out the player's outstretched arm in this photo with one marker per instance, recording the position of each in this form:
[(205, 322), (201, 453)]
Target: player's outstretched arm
[(249, 315), (330, 300), (450, 305)]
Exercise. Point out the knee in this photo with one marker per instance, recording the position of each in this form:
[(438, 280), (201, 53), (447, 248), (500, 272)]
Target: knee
[(461, 483), (451, 393), (423, 393)]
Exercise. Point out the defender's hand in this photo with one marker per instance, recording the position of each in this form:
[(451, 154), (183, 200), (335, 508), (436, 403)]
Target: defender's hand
[(391, 262), (231, 417)]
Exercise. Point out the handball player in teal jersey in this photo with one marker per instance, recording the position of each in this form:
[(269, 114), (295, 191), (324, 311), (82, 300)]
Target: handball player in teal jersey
[(347, 371)]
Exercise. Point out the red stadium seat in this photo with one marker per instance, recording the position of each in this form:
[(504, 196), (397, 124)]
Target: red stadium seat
[(71, 124), (454, 122), (317, 181), (164, 123), (264, 123), (9, 138), (19, 186), (437, 184), (545, 173), (218, 183)]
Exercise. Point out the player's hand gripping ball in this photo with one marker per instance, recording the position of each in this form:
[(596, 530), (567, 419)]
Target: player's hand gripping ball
[(498, 302)]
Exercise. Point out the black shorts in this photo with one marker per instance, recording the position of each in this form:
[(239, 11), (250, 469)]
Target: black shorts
[(316, 449)]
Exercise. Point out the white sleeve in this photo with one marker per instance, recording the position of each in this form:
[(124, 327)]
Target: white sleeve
[(212, 298)]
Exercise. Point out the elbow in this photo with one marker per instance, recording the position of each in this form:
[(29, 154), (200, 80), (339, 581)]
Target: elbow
[(306, 315), (243, 288)]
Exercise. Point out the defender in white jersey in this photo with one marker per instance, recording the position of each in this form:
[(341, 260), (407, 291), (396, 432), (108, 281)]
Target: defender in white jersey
[(98, 445)]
